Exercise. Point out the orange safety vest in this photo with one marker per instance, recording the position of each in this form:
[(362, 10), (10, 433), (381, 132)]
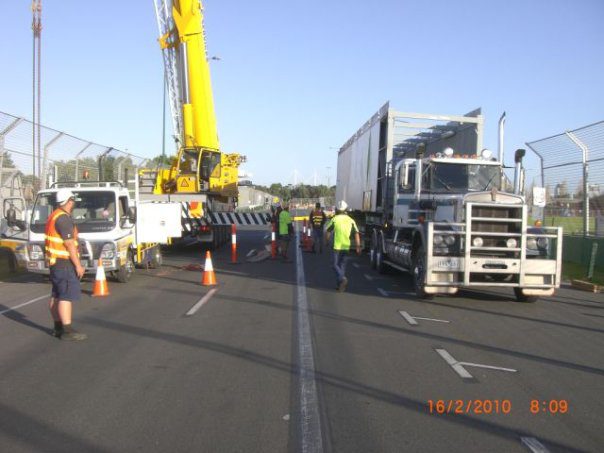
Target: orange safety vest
[(55, 246)]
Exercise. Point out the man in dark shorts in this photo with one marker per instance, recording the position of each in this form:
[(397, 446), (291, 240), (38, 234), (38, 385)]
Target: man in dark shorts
[(65, 267)]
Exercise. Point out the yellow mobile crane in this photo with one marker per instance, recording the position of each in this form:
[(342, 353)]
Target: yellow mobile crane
[(199, 167)]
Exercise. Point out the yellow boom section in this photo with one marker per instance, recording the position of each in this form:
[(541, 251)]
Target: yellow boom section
[(198, 114)]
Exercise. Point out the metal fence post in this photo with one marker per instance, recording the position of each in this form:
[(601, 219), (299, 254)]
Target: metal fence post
[(585, 152), (3, 134), (43, 169), (542, 178)]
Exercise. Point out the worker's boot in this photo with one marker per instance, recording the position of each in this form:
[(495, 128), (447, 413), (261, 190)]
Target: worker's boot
[(57, 330), (70, 334)]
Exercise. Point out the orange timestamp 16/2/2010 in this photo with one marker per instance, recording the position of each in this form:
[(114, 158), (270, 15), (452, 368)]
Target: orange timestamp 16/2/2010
[(477, 406), (494, 406)]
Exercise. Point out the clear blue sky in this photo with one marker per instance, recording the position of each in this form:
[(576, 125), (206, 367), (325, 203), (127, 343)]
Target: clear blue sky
[(297, 78)]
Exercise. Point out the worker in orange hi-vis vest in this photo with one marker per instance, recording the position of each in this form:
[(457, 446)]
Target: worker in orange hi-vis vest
[(65, 267), (317, 219)]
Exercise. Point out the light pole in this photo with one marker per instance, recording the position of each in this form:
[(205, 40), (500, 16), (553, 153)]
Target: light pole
[(328, 176)]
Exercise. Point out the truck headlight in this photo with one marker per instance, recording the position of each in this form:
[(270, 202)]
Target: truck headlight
[(108, 251), (543, 243), (531, 243), (36, 253), (450, 239), (511, 243), (477, 241), (437, 240)]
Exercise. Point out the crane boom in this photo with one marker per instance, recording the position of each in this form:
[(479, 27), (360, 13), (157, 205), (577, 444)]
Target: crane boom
[(200, 166)]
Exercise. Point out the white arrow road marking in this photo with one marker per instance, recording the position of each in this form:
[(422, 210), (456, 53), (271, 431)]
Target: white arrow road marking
[(412, 319), (368, 277), (534, 445), (356, 265), (383, 292), (458, 367), (201, 302)]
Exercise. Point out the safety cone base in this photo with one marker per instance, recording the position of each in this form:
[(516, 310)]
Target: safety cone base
[(100, 282)]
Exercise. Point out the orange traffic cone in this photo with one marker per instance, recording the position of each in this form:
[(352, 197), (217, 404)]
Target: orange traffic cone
[(209, 278), (100, 282)]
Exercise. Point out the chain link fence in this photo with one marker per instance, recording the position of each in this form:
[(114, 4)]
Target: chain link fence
[(572, 173), (62, 158)]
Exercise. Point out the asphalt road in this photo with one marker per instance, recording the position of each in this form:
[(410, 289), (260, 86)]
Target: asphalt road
[(276, 360)]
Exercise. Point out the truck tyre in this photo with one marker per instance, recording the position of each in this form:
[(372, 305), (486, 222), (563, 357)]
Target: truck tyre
[(156, 258), (124, 273), (379, 257), (419, 274), (373, 251), (522, 298)]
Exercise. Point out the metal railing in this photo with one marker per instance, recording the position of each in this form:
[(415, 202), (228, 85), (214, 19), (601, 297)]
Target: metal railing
[(62, 158), (572, 172)]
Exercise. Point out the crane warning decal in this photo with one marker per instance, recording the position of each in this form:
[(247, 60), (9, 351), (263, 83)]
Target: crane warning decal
[(184, 182)]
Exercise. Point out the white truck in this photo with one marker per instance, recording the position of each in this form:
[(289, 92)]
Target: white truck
[(432, 202), (13, 238), (114, 229)]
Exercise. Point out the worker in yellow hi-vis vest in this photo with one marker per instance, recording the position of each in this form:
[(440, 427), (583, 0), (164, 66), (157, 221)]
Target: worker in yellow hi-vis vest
[(342, 226)]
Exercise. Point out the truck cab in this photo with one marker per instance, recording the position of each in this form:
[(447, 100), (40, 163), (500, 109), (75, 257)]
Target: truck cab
[(453, 225), (105, 217)]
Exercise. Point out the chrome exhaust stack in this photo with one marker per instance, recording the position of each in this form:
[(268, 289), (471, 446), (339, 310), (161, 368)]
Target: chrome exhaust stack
[(518, 170), (500, 146)]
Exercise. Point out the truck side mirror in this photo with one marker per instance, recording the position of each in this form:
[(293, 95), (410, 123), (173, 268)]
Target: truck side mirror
[(11, 217), (132, 214)]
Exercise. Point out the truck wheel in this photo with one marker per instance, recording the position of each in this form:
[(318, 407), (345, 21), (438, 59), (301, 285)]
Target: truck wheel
[(379, 258), (520, 297), (373, 251), (419, 274), (156, 258), (124, 273)]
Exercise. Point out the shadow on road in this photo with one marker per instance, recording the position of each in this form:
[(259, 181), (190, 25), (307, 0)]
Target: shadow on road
[(342, 383)]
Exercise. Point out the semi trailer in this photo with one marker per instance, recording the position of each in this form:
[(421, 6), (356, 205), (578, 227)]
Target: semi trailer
[(431, 201)]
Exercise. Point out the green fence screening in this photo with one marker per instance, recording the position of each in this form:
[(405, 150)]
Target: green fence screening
[(576, 255)]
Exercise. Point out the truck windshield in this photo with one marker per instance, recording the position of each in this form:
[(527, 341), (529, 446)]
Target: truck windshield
[(94, 211), (445, 177)]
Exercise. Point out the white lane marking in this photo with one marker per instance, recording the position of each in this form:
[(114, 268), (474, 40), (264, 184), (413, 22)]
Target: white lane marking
[(250, 253), (45, 296), (458, 367), (383, 292), (311, 438), (356, 265), (534, 445), (201, 302), (412, 319), (368, 277), (408, 318), (454, 364)]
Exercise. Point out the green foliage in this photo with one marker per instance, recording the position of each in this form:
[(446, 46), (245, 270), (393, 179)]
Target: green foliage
[(7, 161), (288, 192)]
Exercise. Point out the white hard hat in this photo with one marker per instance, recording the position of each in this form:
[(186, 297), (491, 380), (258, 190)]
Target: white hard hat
[(63, 195), (342, 205)]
